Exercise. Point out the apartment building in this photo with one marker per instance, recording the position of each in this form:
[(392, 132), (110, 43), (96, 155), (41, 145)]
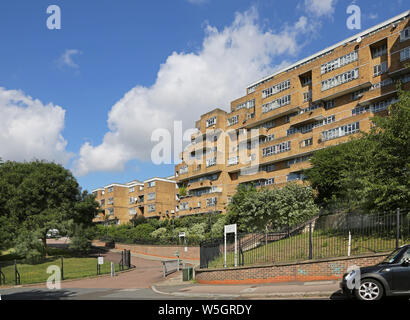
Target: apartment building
[(152, 198), (269, 134)]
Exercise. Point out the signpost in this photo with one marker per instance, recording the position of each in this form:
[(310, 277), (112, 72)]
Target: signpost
[(231, 228), (182, 235)]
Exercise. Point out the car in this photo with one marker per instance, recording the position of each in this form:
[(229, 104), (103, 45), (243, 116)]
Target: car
[(52, 233), (391, 277)]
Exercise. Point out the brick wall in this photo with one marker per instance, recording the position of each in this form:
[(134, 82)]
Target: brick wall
[(324, 269), (167, 252)]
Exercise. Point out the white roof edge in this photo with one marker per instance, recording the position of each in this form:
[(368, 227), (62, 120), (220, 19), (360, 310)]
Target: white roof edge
[(98, 189), (159, 179), (378, 26)]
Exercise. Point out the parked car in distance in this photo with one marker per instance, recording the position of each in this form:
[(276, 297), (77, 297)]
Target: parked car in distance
[(391, 277), (52, 233)]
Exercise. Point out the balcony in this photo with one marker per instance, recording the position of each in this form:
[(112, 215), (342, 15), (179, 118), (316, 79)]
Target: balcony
[(342, 90), (307, 117), (273, 114)]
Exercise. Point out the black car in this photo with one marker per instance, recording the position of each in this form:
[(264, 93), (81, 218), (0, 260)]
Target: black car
[(391, 277)]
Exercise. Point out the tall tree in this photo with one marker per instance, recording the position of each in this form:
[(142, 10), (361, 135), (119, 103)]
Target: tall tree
[(38, 196)]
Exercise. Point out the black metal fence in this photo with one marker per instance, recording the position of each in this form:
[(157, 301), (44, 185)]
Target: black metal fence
[(323, 237), (18, 272)]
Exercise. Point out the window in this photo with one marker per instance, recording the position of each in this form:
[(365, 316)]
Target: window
[(359, 110), (151, 196), (151, 184), (381, 84), (233, 160), (269, 181), (339, 62), (307, 96), (102, 202), (405, 34), (210, 122), (405, 54), (295, 176), (151, 208), (310, 126), (132, 200), (358, 94), (211, 202), (340, 79), (285, 100), (281, 147), (110, 189), (132, 211), (110, 200), (268, 168), (310, 108), (131, 189), (329, 104), (340, 131), (183, 206), (247, 105), (379, 51), (298, 160), (306, 80), (379, 69), (233, 120), (183, 170), (276, 89), (210, 162), (382, 105), (268, 138), (110, 211), (250, 116), (306, 142), (252, 89)]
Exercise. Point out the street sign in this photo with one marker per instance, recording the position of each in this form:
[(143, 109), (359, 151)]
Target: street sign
[(230, 228), (100, 260), (182, 234)]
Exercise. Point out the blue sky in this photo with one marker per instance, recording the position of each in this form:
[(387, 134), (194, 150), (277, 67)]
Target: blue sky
[(90, 94)]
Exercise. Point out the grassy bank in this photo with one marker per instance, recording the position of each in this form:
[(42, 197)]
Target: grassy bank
[(296, 248), (73, 267)]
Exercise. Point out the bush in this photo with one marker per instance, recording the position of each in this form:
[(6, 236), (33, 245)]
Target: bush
[(218, 227), (80, 242), (29, 246), (159, 233), (142, 232)]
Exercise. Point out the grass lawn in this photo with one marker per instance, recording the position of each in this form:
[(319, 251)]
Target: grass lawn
[(296, 248), (73, 267)]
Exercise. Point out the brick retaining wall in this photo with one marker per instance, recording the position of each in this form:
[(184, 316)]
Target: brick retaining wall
[(312, 270), (166, 252)]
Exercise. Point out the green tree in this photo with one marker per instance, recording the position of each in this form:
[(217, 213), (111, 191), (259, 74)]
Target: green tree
[(38, 196), (369, 173), (256, 210)]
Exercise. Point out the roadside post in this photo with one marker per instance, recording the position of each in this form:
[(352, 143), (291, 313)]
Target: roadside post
[(100, 261), (112, 269), (231, 228)]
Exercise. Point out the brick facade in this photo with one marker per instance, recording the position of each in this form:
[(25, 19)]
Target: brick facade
[(324, 269)]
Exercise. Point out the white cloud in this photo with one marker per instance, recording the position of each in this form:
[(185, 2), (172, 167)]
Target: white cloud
[(320, 7), (190, 84), (66, 59), (29, 129)]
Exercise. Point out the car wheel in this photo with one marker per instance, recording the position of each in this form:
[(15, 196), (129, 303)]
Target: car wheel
[(370, 289)]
